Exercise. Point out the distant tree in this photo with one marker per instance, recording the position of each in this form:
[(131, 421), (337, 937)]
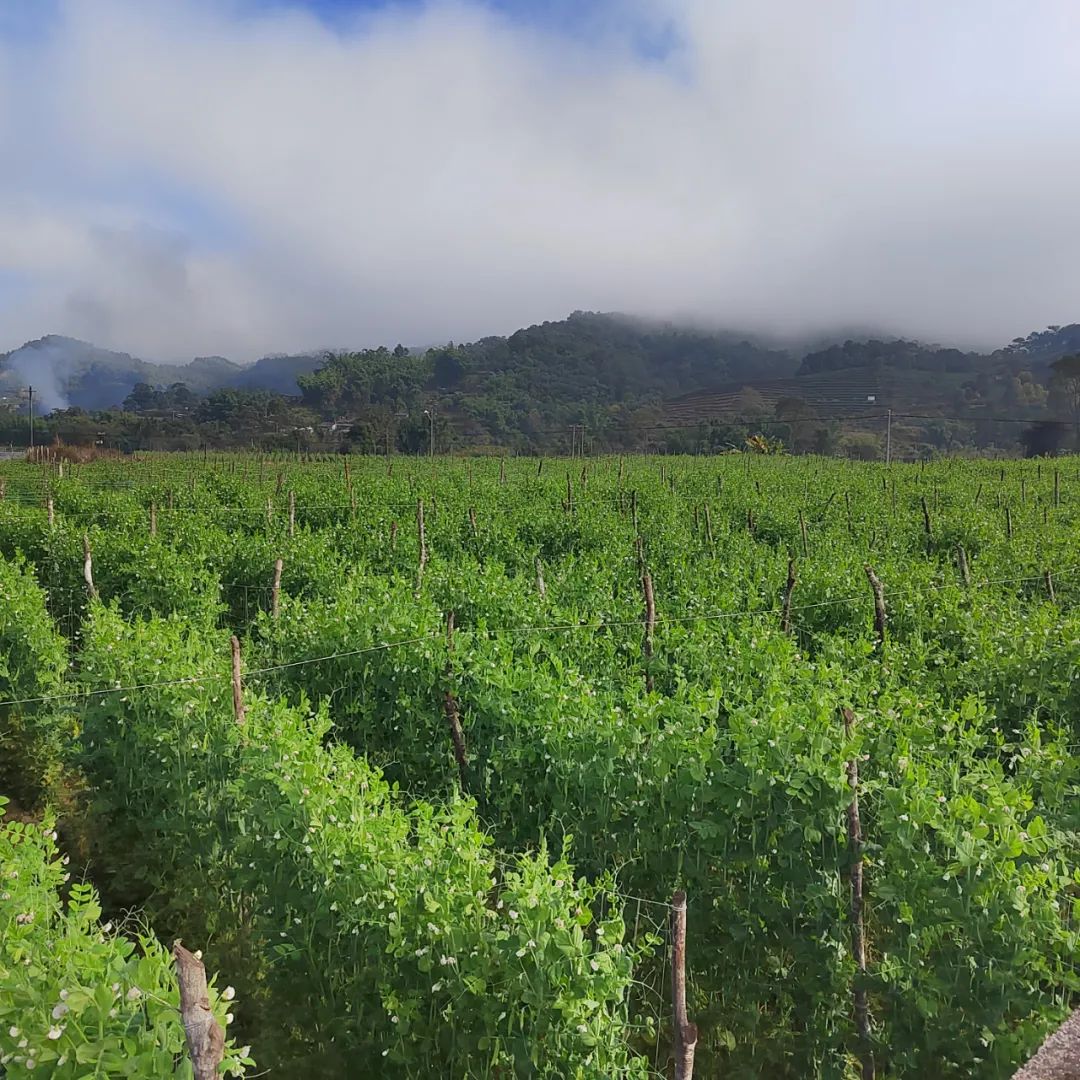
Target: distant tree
[(1043, 439), (1065, 382), (142, 399)]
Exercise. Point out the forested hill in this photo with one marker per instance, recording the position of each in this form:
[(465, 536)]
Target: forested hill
[(620, 377)]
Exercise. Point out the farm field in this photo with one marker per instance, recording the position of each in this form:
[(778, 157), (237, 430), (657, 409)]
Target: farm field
[(492, 716)]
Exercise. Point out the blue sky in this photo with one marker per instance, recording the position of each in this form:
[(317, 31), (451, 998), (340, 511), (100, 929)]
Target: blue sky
[(190, 177)]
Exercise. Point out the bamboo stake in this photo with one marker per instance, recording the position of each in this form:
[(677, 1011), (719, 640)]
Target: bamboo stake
[(239, 712), (275, 589), (205, 1036), (858, 931), (686, 1034)]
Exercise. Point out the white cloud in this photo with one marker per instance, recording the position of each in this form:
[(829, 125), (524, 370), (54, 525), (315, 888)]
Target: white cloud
[(448, 173)]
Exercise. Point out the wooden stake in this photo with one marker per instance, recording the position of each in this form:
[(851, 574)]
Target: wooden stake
[(453, 713), (502, 471), (633, 509), (205, 1036), (275, 589), (88, 568), (237, 685), (472, 522), (1008, 523), (858, 931), (541, 588), (962, 562), (708, 525), (927, 525), (422, 538), (393, 536), (792, 579), (153, 519), (292, 512), (650, 625), (1057, 488), (686, 1034), (880, 616), (802, 533), (1049, 578), (51, 510)]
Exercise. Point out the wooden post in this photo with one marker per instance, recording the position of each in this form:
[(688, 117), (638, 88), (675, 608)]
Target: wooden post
[(650, 624), (569, 505), (802, 533), (1049, 578), (153, 519), (880, 616), (708, 525), (633, 508), (393, 536), (685, 1033), (269, 511), (962, 562), (472, 522), (292, 512), (88, 568), (1057, 488), (858, 931), (205, 1036), (1008, 523), (275, 589), (927, 525), (51, 511), (539, 468), (541, 588), (502, 471), (237, 685), (750, 521), (279, 484), (847, 507), (792, 579), (453, 713)]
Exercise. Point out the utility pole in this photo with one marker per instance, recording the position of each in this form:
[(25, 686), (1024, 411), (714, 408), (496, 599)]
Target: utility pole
[(430, 414), (888, 439), (30, 396)]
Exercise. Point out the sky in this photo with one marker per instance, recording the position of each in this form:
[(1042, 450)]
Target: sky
[(240, 177)]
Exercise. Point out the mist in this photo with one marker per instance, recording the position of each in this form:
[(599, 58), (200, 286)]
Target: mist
[(204, 176)]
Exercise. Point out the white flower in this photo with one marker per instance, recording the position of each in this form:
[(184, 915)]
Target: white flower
[(59, 1011), (245, 1051), (594, 965), (393, 1019), (13, 1032), (55, 1032), (228, 1018), (134, 994), (513, 914), (520, 952), (436, 987)]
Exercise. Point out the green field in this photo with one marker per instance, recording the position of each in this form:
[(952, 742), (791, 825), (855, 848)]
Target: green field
[(419, 852)]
